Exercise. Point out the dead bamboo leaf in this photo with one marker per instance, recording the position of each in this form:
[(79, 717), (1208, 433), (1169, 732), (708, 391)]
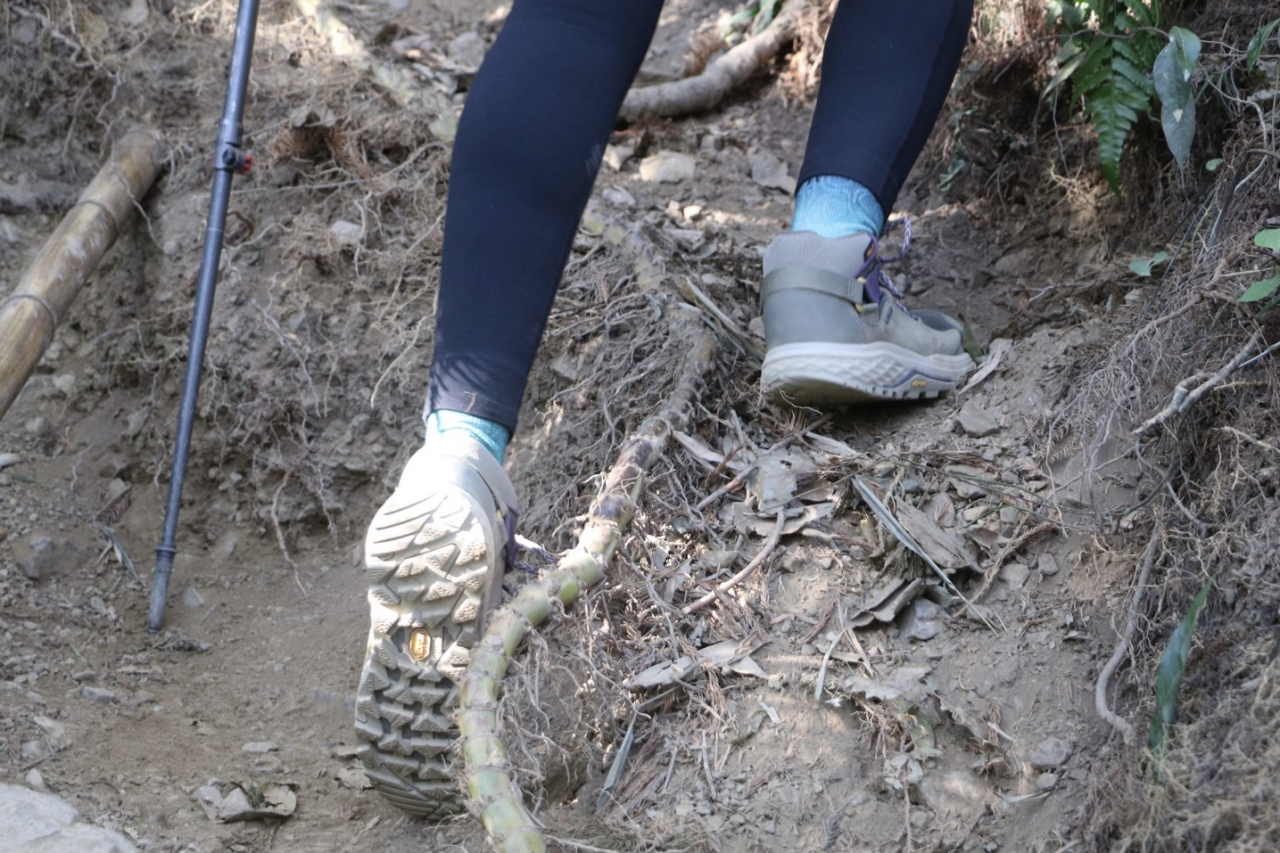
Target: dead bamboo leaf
[(944, 547), (995, 354)]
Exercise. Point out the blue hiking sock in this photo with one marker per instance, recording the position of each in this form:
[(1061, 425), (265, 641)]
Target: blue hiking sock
[(832, 206), (494, 436)]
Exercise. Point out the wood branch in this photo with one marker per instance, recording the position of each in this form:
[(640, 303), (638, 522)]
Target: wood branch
[(46, 290), (721, 76), (495, 796)]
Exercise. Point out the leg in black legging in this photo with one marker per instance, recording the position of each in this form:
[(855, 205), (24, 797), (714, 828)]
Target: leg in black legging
[(886, 71), (529, 145)]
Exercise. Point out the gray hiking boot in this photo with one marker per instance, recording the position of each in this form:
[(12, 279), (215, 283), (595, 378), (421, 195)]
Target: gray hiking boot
[(836, 332), (434, 557)]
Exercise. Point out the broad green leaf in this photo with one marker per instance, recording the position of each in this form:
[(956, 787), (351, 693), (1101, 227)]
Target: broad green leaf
[(1142, 267), (1261, 289), (1172, 73), (1212, 165), (1169, 676), (1268, 238), (1254, 51), (1179, 126)]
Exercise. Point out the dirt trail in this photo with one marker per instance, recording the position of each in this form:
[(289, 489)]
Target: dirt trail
[(936, 730)]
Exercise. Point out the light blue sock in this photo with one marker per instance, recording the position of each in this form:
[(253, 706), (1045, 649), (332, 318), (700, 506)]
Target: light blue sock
[(833, 206), (494, 436)]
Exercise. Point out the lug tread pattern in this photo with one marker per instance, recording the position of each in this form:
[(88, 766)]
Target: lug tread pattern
[(427, 565)]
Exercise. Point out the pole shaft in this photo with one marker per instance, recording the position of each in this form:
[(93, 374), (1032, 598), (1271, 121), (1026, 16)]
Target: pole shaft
[(227, 160)]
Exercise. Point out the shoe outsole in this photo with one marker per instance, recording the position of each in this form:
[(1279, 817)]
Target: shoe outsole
[(834, 374), (429, 559)]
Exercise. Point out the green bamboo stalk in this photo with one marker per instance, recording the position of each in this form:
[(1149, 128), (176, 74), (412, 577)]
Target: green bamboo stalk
[(496, 798)]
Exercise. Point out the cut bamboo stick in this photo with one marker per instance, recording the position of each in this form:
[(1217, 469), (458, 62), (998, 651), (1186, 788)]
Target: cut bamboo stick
[(496, 798), (50, 284)]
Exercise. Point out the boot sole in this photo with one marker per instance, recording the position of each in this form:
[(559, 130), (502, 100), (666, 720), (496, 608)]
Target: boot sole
[(835, 374), (431, 561)]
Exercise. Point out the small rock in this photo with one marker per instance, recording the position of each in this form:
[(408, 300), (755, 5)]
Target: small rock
[(34, 780), (618, 196), (260, 747), (37, 426), (41, 559), (1015, 575), (616, 156), (920, 623), (346, 233), (1051, 754), (35, 821), (1047, 565), (964, 481), (192, 598), (9, 459), (101, 695), (1047, 781), (668, 167), (975, 421), (32, 750), (467, 50), (769, 171), (52, 729)]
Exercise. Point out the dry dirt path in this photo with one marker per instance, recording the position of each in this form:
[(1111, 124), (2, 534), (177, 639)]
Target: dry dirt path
[(935, 731)]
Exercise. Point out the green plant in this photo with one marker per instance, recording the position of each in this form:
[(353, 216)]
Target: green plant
[(1118, 60), (1169, 676), (1269, 239), (1142, 267)]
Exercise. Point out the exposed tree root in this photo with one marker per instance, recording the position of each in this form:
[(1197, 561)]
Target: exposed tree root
[(721, 76), (497, 799), (1117, 722)]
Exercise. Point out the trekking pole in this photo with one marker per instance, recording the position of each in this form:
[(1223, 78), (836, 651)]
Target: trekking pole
[(228, 161)]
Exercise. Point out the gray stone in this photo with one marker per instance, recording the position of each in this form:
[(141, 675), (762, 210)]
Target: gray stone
[(467, 50), (1047, 781), (346, 233), (1047, 565), (34, 780), (35, 822), (618, 196), (41, 558), (1015, 575), (192, 598), (101, 695), (975, 421), (768, 170), (1051, 754), (260, 747), (668, 167), (920, 621)]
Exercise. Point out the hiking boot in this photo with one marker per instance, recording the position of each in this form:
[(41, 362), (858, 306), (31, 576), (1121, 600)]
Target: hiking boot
[(435, 554), (836, 333)]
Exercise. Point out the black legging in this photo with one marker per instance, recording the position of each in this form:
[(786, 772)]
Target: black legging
[(533, 133)]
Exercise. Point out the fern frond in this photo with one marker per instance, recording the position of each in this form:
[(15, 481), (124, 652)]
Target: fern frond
[(1111, 72)]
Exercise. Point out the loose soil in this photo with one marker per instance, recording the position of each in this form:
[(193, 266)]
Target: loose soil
[(866, 708)]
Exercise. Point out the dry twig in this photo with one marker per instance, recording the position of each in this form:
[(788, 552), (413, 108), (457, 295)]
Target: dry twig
[(750, 567)]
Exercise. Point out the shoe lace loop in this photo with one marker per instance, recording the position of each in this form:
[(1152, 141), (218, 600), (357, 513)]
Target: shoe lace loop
[(874, 277)]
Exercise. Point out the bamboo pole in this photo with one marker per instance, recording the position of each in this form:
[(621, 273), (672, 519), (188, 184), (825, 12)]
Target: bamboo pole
[(50, 284), (495, 796)]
